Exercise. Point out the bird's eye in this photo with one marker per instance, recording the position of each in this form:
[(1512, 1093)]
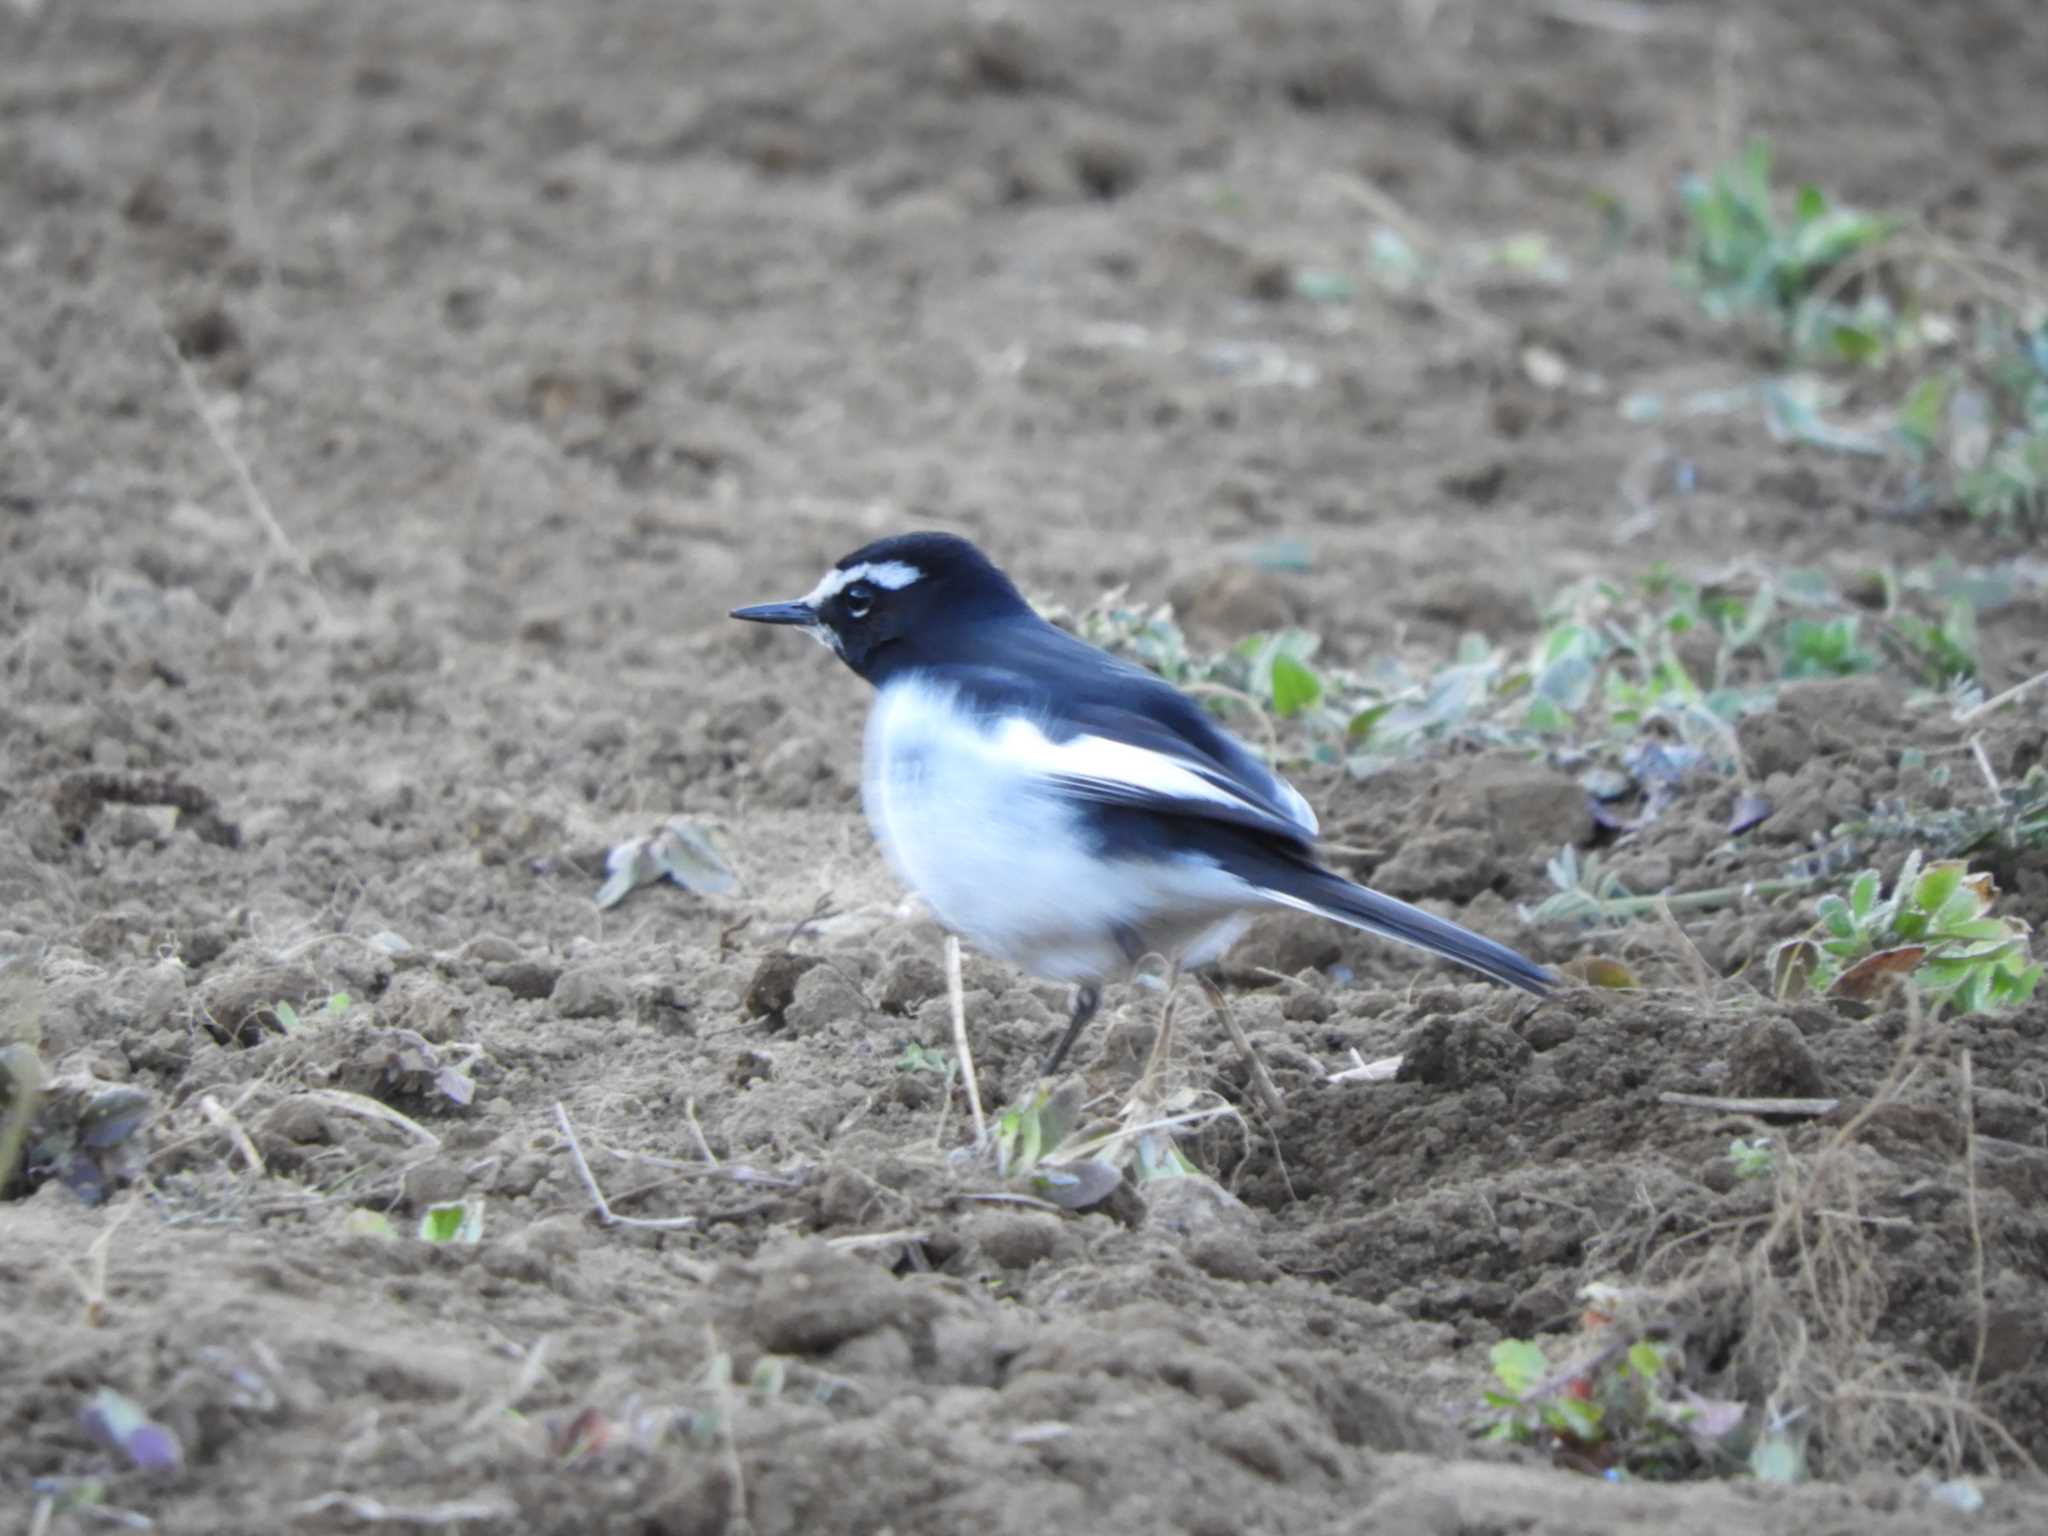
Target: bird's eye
[(859, 598)]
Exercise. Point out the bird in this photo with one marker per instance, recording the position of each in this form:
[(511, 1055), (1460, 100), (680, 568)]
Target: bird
[(1061, 809)]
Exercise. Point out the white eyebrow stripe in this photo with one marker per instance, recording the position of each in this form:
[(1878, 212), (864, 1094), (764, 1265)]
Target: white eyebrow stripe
[(893, 574)]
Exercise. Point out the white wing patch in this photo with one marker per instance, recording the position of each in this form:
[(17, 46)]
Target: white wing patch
[(893, 574), (1102, 760), (1299, 811)]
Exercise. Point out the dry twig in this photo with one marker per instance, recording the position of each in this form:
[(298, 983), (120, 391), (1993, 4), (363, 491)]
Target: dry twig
[(965, 1051), (606, 1216), (252, 494), (1793, 1109), (1263, 1087)]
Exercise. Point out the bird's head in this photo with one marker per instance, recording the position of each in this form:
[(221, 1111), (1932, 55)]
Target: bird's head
[(897, 598)]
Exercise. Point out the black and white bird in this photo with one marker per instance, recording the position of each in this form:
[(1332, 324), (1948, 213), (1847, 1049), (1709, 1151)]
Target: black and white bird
[(1063, 810)]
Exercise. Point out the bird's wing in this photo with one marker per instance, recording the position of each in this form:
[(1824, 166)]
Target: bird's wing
[(1120, 736)]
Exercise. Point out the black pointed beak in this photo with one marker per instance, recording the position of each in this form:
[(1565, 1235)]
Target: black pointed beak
[(777, 613)]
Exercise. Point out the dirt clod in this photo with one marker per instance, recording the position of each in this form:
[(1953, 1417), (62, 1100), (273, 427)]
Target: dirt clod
[(1771, 1059), (523, 978), (590, 992), (773, 986)]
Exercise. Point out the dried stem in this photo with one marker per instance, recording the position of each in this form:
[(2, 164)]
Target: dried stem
[(960, 1045)]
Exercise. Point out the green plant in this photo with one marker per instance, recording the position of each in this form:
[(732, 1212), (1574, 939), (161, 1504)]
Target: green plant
[(1845, 287), (1634, 684), (1752, 1159), (1751, 249), (456, 1221), (765, 1383), (920, 1058), (1934, 928), (1619, 1410), (2015, 820), (1825, 648), (1983, 421), (1942, 650), (1074, 1163), (288, 1018), (1040, 1140), (1271, 668)]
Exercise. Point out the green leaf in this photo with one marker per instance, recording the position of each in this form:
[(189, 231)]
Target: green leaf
[(1295, 687), (1646, 1359), (1568, 681), (1027, 1143), (1546, 718), (1579, 1418), (1973, 993), (1921, 417), (1961, 905), (1518, 1364), (2021, 987), (1863, 894), (1855, 341), (1360, 727), (371, 1224), (1835, 914), (457, 1221)]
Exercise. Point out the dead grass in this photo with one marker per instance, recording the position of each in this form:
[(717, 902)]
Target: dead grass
[(1798, 1297)]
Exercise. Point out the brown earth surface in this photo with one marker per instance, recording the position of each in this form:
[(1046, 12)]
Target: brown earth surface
[(394, 398)]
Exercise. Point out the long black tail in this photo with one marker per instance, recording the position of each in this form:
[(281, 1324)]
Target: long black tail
[(1311, 889)]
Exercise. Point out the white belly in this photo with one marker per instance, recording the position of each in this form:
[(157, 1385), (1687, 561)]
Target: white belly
[(1009, 868)]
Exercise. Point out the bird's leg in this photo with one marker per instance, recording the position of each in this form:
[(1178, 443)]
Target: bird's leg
[(1086, 998)]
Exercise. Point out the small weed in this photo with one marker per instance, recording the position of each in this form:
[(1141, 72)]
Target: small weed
[(1754, 250), (1752, 1159), (1041, 1141), (1272, 669), (1845, 288), (1075, 1164), (1825, 648), (2016, 821), (1982, 419), (1614, 660), (1933, 928), (291, 1023), (920, 1058), (764, 1384), (458, 1221), (1618, 1410), (1148, 636)]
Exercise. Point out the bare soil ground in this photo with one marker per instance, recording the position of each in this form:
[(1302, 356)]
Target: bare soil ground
[(393, 399)]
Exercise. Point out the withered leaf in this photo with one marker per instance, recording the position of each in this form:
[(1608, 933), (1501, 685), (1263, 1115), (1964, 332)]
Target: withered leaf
[(1871, 976)]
